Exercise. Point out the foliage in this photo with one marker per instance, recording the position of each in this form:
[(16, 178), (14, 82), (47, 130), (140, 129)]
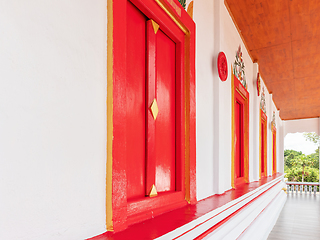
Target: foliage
[(183, 3), (289, 155), (302, 161), (293, 152), (300, 167), (315, 158), (294, 174), (312, 137)]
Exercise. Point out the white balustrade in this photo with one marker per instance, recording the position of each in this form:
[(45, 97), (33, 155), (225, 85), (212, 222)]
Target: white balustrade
[(306, 187)]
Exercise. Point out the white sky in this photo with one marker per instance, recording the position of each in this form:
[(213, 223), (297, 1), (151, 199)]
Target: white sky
[(296, 141)]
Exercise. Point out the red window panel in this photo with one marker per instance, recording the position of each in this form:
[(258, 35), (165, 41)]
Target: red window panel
[(274, 151), (153, 157), (149, 64), (263, 144), (161, 145), (240, 133), (262, 149), (136, 102), (239, 140), (165, 123)]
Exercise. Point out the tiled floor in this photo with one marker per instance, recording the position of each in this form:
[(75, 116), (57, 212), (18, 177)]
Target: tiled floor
[(299, 219)]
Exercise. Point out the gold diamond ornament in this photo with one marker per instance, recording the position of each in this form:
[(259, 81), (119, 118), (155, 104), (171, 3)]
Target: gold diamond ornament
[(155, 26), (154, 109), (153, 191)]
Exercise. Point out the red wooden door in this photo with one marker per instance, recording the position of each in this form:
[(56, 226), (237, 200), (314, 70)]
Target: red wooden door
[(262, 149), (151, 59), (136, 102), (165, 123), (240, 133), (151, 77), (239, 163), (274, 152)]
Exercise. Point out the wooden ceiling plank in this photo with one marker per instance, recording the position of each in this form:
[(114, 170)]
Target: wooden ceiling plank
[(283, 37)]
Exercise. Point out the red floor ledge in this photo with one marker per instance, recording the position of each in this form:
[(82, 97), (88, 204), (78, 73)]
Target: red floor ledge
[(167, 222)]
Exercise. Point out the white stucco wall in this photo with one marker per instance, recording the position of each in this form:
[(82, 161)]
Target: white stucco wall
[(53, 119), (203, 13), (215, 33), (280, 143), (255, 133), (301, 125), (269, 132), (273, 109)]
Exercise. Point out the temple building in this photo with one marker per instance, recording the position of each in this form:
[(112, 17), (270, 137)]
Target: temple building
[(151, 119)]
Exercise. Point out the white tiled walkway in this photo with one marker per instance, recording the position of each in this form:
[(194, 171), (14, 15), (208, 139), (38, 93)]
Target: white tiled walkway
[(299, 219)]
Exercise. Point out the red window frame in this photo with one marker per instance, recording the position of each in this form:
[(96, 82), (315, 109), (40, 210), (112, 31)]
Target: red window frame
[(239, 138), (263, 145), (173, 19), (240, 96), (274, 150)]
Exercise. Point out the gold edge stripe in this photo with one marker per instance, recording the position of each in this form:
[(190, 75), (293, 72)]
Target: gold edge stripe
[(237, 89), (109, 222), (232, 129), (176, 21)]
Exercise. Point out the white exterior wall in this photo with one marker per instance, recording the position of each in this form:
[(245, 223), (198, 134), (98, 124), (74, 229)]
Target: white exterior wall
[(203, 13), (269, 132), (53, 119), (302, 125), (215, 33), (255, 133), (280, 143), (274, 109)]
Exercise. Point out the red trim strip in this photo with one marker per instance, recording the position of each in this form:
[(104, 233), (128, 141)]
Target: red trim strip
[(258, 216), (168, 222), (227, 218)]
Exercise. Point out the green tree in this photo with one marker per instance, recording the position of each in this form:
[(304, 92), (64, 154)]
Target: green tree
[(315, 138), (312, 137), (302, 161), (303, 168), (292, 152), (289, 155), (315, 158), (294, 174)]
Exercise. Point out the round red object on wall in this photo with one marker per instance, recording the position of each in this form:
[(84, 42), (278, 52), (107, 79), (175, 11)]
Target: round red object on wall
[(222, 66)]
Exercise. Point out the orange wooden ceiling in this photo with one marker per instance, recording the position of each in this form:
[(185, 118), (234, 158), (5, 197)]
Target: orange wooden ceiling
[(283, 36)]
